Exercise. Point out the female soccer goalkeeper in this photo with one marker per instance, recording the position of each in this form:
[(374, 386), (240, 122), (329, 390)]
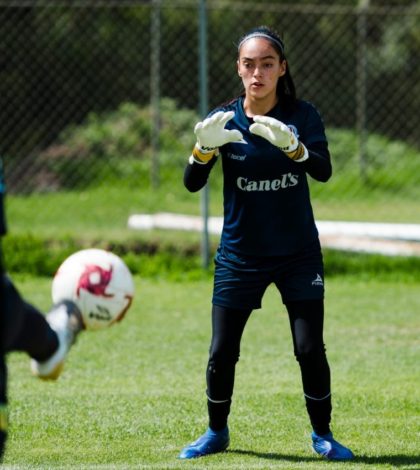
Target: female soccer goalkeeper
[(267, 141)]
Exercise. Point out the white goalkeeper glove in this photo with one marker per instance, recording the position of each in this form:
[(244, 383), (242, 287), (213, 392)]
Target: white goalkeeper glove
[(279, 135), (211, 134)]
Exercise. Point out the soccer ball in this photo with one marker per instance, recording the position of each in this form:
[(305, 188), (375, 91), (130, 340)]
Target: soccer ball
[(99, 283)]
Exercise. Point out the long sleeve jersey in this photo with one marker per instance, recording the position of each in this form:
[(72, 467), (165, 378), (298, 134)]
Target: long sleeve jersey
[(267, 207)]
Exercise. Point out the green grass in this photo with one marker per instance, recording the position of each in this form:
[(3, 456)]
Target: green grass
[(103, 212), (131, 396)]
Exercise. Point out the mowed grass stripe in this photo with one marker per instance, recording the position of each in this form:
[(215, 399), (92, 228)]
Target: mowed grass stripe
[(133, 395)]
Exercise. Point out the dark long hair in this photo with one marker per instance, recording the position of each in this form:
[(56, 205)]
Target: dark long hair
[(286, 91)]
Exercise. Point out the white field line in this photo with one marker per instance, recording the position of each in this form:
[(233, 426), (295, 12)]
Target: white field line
[(389, 239)]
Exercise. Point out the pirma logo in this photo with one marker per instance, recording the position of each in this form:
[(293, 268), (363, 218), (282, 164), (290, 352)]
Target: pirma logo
[(318, 281)]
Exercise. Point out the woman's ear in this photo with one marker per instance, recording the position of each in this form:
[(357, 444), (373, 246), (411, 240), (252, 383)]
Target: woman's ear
[(283, 68)]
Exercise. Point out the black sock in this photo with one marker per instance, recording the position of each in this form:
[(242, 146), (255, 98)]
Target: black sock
[(320, 414), (218, 414)]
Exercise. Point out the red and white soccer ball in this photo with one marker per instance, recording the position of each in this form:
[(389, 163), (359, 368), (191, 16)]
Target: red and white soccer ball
[(100, 284)]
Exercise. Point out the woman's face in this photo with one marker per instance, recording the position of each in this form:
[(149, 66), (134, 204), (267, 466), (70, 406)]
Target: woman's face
[(260, 67)]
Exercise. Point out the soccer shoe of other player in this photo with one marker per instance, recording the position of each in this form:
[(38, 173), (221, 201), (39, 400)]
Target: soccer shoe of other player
[(65, 319), (329, 448), (210, 442)]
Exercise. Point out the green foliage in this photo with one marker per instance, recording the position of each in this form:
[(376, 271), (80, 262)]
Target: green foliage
[(28, 254), (63, 63), (367, 266), (387, 167), (36, 256), (395, 156), (116, 145), (177, 259)]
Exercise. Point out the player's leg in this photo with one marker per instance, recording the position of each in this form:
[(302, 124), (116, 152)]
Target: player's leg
[(3, 405), (26, 329), (46, 340), (307, 322), (3, 370), (227, 327), (239, 289)]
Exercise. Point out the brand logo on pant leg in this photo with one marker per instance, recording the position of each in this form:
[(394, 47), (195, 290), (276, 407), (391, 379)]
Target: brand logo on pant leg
[(318, 281)]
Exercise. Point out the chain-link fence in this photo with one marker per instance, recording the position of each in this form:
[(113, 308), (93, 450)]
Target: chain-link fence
[(98, 100)]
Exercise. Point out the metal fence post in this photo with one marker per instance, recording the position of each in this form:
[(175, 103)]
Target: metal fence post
[(203, 89), (155, 37), (361, 77)]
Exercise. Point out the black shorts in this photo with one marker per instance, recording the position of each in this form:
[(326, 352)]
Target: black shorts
[(240, 281)]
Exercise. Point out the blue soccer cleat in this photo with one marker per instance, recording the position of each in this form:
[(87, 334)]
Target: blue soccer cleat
[(329, 448), (210, 442)]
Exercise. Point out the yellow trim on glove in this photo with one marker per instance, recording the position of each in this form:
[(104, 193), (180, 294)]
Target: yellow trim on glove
[(203, 156), (298, 155)]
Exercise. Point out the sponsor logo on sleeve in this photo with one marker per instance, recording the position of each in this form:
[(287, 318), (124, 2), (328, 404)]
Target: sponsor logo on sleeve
[(232, 156)]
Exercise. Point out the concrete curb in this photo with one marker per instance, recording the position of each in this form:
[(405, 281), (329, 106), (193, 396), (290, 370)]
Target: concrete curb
[(387, 239)]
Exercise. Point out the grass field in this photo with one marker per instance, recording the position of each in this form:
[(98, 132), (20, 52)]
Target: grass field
[(133, 395), (103, 212)]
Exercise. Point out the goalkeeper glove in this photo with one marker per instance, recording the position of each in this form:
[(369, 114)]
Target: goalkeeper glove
[(211, 134), (279, 135)]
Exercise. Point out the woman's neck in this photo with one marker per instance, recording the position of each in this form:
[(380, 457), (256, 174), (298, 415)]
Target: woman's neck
[(254, 107)]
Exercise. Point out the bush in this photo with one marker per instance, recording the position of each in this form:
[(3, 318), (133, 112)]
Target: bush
[(113, 146), (388, 165), (27, 254), (179, 260)]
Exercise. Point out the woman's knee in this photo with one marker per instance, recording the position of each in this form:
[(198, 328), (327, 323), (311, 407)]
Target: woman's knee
[(222, 355), (308, 354)]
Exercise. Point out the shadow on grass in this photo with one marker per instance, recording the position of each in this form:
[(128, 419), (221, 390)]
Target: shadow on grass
[(394, 460), (273, 456)]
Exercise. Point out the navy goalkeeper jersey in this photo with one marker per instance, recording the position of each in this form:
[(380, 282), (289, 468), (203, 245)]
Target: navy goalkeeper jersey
[(267, 208)]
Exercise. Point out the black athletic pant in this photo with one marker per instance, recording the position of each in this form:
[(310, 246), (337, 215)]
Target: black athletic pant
[(306, 323), (22, 328)]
